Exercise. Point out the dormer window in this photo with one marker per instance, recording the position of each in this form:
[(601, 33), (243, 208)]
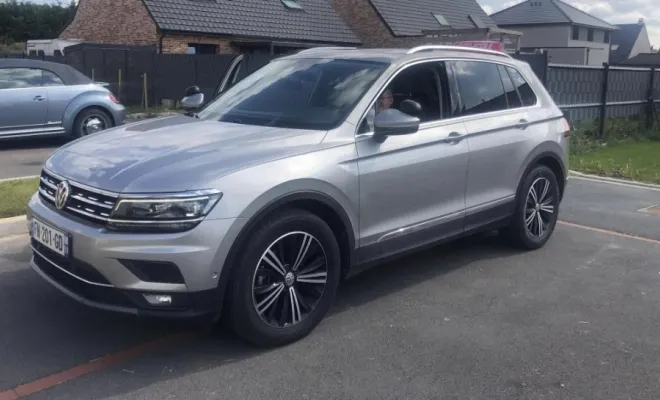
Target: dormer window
[(441, 20), (292, 4)]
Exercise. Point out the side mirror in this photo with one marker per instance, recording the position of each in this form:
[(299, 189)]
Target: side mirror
[(392, 122), (193, 98)]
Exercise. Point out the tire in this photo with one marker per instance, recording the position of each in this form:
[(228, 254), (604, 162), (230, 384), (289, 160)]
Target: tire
[(256, 312), (87, 115), (522, 232)]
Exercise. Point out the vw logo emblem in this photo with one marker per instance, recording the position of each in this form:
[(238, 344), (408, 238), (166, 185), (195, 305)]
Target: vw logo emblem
[(289, 278), (62, 194)]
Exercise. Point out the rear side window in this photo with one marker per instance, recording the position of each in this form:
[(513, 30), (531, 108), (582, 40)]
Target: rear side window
[(480, 87), (526, 93), (50, 79), (512, 97)]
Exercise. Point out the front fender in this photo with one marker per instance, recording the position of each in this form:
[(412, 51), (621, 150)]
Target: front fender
[(92, 98)]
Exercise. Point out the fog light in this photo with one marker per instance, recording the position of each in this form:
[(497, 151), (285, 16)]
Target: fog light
[(158, 299)]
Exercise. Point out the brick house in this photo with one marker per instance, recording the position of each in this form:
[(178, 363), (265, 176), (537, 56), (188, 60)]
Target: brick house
[(222, 26), (569, 35)]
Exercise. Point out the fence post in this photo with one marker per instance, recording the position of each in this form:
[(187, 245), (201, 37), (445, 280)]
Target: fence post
[(145, 93), (650, 103), (603, 99), (119, 85), (546, 62)]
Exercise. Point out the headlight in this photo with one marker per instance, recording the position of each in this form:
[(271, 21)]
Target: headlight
[(162, 213)]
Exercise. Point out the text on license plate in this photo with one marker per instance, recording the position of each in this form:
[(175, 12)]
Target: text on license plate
[(50, 237)]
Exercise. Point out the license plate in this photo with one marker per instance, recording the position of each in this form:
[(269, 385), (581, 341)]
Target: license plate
[(50, 237)]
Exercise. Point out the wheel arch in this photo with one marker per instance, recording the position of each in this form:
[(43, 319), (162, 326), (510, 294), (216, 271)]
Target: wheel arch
[(318, 203), (548, 155), (82, 102)]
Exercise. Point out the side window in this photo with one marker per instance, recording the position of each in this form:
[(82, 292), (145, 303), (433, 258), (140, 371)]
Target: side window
[(424, 83), (526, 93), (512, 97), (50, 79), (480, 87), (17, 78)]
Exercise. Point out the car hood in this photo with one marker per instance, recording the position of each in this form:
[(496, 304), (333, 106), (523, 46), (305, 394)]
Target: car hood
[(174, 153)]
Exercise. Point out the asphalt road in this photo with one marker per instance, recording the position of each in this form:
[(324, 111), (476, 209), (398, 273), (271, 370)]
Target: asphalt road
[(24, 157), (577, 319)]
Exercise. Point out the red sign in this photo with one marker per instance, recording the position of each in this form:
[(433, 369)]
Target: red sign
[(482, 44)]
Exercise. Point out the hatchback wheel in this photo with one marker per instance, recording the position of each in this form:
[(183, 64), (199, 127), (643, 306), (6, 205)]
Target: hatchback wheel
[(536, 211), (91, 121), (286, 280)]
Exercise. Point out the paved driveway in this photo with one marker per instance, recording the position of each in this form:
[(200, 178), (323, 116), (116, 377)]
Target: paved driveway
[(577, 319)]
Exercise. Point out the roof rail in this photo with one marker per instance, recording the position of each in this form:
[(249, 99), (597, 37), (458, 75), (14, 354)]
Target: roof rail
[(322, 48), (457, 48)]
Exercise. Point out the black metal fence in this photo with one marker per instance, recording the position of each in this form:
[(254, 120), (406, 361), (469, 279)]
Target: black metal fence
[(582, 92), (133, 73), (587, 92)]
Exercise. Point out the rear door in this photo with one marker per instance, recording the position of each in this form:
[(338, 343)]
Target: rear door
[(23, 101), (497, 123)]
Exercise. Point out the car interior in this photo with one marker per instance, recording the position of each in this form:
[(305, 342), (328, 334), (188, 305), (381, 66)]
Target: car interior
[(425, 84)]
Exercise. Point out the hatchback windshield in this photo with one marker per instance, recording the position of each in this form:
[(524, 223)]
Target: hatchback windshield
[(296, 93)]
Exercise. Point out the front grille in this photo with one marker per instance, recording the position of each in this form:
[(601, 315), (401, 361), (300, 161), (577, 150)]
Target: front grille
[(76, 267), (86, 203)]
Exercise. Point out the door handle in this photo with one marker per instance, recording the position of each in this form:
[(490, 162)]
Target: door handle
[(39, 98), (454, 138), (522, 124)]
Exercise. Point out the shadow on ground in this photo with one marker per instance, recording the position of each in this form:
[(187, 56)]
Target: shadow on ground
[(76, 329), (31, 143)]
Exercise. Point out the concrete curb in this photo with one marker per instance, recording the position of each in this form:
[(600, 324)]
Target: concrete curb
[(18, 178), (13, 226), (614, 180)]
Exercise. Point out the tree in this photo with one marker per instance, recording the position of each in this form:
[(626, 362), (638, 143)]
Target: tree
[(21, 21)]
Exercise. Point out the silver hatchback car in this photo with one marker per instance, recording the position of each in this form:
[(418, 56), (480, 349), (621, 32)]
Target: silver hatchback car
[(309, 170), (41, 98)]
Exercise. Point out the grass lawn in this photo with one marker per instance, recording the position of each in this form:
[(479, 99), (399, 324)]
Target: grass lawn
[(634, 160), (14, 196)]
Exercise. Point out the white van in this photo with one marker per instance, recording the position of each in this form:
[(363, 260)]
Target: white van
[(49, 47)]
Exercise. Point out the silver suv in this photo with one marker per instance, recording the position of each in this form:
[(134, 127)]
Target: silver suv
[(303, 173)]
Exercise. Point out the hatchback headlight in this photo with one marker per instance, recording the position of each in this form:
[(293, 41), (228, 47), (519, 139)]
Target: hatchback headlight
[(162, 213)]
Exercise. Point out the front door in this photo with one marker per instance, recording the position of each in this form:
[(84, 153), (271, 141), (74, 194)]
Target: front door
[(23, 101), (412, 187)]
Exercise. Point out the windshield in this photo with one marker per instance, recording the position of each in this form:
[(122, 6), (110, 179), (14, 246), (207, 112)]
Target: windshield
[(296, 93)]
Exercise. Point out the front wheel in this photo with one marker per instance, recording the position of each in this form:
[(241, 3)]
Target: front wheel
[(286, 279), (537, 210)]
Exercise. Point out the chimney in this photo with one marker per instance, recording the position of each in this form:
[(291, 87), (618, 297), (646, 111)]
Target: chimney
[(641, 21)]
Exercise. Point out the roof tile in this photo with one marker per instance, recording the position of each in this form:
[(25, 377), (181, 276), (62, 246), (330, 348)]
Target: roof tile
[(317, 21), (532, 12), (410, 17)]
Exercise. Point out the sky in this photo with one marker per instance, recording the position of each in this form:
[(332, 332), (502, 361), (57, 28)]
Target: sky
[(612, 11)]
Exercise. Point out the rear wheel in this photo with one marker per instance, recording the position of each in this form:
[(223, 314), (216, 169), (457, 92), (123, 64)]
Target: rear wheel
[(89, 121), (286, 279), (537, 210)]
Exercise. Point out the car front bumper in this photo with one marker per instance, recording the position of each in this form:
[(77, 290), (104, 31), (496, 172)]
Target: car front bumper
[(123, 271)]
